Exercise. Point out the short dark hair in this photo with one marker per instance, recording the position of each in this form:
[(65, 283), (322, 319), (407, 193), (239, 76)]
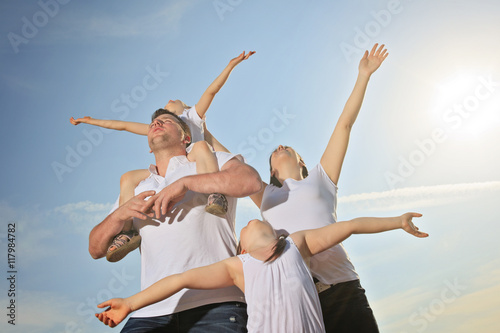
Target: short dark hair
[(274, 181), (182, 123)]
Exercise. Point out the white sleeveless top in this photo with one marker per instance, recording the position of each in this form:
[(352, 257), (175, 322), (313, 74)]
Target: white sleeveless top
[(189, 238), (280, 295), (309, 204)]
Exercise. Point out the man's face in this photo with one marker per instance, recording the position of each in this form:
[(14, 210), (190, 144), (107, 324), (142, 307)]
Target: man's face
[(165, 129)]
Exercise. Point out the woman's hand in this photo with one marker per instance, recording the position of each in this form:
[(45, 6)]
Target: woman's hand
[(372, 61)]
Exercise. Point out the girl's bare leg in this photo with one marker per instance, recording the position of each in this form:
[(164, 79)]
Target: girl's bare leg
[(206, 162), (128, 240)]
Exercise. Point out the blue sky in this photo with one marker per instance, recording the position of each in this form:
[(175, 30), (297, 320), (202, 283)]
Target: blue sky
[(426, 138)]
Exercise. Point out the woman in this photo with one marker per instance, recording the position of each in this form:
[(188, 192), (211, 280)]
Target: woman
[(297, 200)]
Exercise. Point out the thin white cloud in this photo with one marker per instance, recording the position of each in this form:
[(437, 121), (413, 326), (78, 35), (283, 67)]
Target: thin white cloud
[(82, 216), (40, 232), (416, 197)]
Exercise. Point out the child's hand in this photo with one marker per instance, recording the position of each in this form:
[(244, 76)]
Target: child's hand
[(79, 120), (117, 311), (370, 62), (408, 226), (240, 58)]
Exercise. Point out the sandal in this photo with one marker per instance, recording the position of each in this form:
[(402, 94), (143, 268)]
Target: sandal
[(217, 204), (122, 244)]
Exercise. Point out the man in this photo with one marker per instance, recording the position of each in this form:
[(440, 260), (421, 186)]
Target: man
[(183, 235)]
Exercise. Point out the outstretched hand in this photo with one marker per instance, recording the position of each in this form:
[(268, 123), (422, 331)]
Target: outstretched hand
[(408, 226), (240, 58), (118, 309), (372, 61), (79, 120)]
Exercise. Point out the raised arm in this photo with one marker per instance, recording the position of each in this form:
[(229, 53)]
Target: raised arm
[(209, 94), (119, 125), (235, 179), (222, 274), (318, 240), (335, 151)]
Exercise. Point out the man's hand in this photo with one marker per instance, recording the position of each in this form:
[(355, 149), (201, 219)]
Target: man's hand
[(240, 58), (165, 200), (372, 61), (117, 311), (136, 207), (408, 226)]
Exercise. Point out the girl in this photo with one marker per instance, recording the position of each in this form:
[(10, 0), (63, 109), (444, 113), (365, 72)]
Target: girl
[(270, 270), (199, 151)]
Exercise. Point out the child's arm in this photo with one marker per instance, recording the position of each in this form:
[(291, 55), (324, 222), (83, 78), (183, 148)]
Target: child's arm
[(222, 274), (318, 240), (334, 154), (119, 125), (209, 94)]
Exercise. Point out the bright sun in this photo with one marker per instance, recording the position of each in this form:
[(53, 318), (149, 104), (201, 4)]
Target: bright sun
[(467, 105)]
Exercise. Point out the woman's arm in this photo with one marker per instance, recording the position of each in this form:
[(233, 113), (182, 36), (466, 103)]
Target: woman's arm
[(119, 125), (335, 151)]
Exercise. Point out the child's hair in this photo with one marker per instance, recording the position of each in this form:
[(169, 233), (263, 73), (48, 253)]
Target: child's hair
[(183, 124), (278, 249), (274, 181)]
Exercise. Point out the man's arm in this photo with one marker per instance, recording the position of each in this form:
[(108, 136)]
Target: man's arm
[(102, 234), (209, 94), (318, 240), (256, 197), (235, 179), (335, 151), (118, 125)]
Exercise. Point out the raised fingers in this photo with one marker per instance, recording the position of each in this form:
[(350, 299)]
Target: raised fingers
[(248, 55)]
